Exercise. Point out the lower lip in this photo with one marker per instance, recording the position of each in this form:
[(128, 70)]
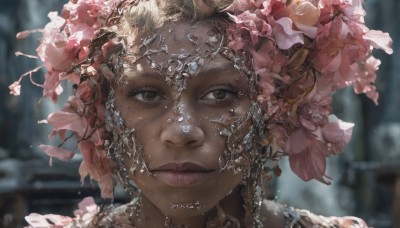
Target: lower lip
[(182, 179)]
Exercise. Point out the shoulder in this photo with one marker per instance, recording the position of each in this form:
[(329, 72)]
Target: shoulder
[(274, 214)]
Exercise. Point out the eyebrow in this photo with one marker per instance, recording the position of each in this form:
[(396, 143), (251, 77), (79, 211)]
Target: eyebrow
[(217, 67), (131, 74), (209, 68)]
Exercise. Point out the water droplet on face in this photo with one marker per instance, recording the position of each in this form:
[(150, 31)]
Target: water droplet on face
[(193, 66), (169, 121), (225, 132), (186, 128), (213, 38), (180, 119)]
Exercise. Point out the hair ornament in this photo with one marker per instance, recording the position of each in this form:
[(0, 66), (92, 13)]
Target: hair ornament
[(302, 50)]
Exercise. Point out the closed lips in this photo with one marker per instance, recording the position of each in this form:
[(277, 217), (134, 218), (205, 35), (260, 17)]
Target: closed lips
[(182, 174)]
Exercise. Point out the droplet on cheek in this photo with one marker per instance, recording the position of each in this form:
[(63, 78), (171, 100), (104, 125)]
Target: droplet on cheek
[(225, 132), (180, 119)]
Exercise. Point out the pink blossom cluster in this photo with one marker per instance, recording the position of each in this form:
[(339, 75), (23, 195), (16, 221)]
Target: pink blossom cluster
[(87, 210), (302, 52), (65, 42)]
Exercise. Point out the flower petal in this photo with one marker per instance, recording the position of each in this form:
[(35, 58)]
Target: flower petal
[(57, 152)]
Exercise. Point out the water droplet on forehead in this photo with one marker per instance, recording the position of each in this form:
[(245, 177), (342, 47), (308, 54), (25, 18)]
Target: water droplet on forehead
[(213, 38), (193, 66)]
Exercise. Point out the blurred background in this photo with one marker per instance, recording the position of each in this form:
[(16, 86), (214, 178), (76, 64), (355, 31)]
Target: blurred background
[(366, 177)]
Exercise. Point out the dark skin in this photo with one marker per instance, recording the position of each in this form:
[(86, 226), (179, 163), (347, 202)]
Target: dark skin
[(180, 128), (183, 126)]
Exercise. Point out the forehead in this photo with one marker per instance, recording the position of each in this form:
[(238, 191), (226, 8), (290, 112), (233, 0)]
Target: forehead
[(181, 48), (184, 35)]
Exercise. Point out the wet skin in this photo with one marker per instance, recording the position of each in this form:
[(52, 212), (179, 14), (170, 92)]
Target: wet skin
[(180, 132)]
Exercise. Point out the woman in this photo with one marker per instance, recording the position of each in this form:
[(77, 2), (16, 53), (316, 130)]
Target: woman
[(192, 103)]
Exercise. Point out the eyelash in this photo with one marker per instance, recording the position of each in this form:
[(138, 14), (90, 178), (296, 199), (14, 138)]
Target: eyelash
[(227, 89), (140, 91), (230, 93)]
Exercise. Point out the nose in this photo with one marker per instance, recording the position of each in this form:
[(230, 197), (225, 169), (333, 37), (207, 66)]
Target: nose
[(182, 133)]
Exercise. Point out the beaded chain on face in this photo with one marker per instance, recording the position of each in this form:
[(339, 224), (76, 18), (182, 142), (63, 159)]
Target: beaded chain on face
[(177, 69), (295, 54)]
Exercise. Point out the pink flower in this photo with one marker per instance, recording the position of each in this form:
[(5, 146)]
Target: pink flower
[(70, 118), (251, 23), (87, 210), (306, 155), (239, 6), (51, 49), (236, 41), (15, 88), (84, 215), (277, 136), (285, 35), (337, 133), (304, 12), (379, 40), (52, 87), (47, 221), (96, 164), (57, 152), (365, 76), (305, 15), (338, 47), (350, 222), (268, 59), (74, 117)]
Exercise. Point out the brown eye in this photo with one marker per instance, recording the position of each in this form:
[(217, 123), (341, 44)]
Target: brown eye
[(146, 95), (219, 94)]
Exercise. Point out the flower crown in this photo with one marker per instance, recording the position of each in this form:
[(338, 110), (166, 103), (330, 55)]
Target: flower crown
[(302, 50)]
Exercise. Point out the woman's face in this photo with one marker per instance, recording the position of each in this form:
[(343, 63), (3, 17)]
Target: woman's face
[(179, 124)]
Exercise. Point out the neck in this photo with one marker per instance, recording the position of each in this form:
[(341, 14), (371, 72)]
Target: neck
[(231, 205)]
